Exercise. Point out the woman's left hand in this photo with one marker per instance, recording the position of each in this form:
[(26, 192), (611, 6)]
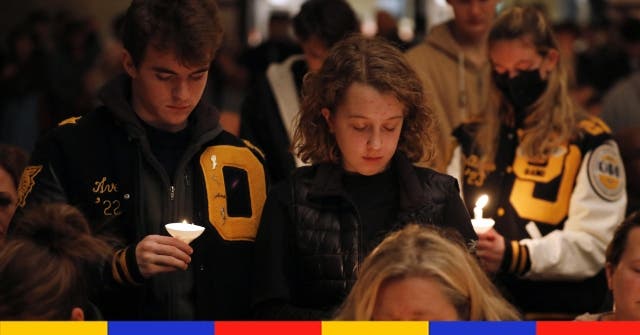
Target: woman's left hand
[(490, 249)]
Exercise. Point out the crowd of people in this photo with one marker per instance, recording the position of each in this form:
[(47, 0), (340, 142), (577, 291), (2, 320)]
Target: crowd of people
[(345, 190)]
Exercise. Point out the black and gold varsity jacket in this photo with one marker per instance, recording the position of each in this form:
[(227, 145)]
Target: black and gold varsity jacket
[(102, 164), (557, 216)]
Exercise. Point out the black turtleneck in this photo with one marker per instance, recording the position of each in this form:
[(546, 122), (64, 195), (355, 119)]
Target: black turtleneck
[(376, 200)]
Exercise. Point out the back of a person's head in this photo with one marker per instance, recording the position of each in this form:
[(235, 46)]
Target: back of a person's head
[(13, 159), (44, 264), (327, 20), (420, 251), (191, 29)]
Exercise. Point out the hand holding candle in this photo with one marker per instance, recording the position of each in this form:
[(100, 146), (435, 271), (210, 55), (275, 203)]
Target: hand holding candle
[(481, 225)]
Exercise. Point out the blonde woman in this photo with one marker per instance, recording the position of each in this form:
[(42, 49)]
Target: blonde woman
[(417, 273), (553, 174)]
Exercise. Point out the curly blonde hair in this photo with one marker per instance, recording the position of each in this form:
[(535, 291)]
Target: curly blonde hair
[(373, 62), (424, 251)]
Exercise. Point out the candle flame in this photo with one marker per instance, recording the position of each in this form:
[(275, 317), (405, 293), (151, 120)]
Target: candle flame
[(482, 201), (184, 221)]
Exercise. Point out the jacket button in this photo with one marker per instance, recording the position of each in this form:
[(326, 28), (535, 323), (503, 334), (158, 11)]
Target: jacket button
[(201, 267)]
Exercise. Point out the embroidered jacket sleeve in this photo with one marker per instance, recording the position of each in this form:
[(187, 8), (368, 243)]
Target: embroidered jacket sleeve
[(596, 207), (40, 182), (46, 180)]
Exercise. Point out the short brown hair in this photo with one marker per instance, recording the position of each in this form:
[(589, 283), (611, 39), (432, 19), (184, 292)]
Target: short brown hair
[(191, 28), (328, 20), (618, 244), (373, 62), (44, 264)]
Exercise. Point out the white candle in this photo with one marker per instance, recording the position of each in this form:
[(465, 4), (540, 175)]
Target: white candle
[(481, 225)]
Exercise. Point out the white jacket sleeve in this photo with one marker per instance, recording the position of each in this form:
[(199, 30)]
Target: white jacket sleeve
[(578, 251), (454, 169)]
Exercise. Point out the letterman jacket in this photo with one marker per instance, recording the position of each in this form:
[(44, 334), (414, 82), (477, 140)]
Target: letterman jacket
[(557, 216), (102, 163)]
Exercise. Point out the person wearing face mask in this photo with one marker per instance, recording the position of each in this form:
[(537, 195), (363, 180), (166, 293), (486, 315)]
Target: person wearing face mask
[(553, 174)]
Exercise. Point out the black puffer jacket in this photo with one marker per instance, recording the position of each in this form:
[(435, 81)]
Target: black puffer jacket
[(308, 247)]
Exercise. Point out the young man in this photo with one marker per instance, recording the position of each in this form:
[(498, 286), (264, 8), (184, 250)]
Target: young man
[(155, 154), (269, 111), (453, 66)]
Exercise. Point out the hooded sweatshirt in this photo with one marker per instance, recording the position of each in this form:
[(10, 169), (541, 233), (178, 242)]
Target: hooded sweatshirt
[(455, 88)]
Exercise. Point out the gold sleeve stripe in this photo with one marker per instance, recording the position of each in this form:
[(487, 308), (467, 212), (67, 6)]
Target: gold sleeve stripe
[(515, 247), (523, 259), (71, 120), (254, 148), (125, 269), (114, 267)]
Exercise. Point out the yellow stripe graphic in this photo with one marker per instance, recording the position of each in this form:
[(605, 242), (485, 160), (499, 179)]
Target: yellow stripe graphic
[(375, 327), (53, 327)]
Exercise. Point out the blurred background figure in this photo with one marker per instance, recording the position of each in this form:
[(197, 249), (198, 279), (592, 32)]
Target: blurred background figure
[(453, 66), (388, 29), (419, 273), (623, 278), (621, 104), (13, 160), (45, 266), (629, 141), (278, 46), (612, 55), (108, 63), (21, 86), (272, 104)]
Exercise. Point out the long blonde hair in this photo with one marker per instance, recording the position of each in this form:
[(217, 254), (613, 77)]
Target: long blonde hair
[(424, 251), (552, 120), (373, 62)]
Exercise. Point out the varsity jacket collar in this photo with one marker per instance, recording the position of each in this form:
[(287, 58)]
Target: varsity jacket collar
[(327, 183), (116, 96)]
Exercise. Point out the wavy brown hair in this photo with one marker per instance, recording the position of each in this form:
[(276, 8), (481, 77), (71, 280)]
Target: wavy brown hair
[(552, 120), (192, 29), (424, 251), (44, 264), (373, 62)]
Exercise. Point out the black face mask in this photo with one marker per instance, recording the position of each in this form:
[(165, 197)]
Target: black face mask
[(522, 90)]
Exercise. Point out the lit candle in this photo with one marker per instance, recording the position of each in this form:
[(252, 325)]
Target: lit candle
[(480, 203), (481, 225)]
